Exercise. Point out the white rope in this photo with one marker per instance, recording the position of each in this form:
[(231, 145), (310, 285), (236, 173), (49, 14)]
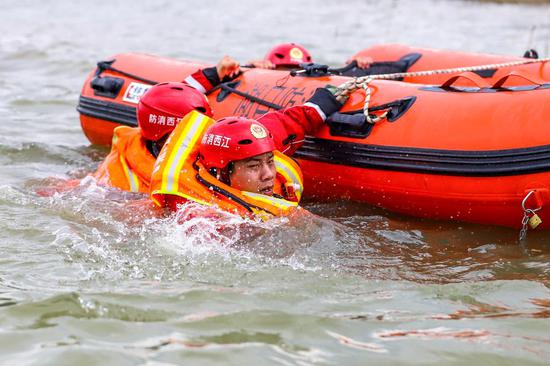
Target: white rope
[(363, 82)]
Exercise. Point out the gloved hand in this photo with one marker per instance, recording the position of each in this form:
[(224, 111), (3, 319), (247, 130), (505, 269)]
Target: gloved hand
[(325, 99), (334, 89)]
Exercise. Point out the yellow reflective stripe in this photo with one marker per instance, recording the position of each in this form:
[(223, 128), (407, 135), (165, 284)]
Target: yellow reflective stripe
[(290, 174), (180, 194), (262, 215), (277, 202), (184, 145), (132, 178)]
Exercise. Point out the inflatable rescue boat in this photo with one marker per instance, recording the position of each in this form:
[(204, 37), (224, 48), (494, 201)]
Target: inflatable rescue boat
[(478, 153)]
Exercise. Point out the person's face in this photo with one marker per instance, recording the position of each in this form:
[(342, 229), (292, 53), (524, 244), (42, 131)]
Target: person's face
[(255, 174)]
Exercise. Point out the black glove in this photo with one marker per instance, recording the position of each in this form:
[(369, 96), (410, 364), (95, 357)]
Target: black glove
[(211, 74), (326, 101)]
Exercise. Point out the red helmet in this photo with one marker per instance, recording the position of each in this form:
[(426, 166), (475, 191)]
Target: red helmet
[(162, 107), (234, 138), (288, 54)]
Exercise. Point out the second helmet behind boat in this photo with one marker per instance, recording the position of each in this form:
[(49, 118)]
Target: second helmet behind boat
[(162, 107), (288, 54)]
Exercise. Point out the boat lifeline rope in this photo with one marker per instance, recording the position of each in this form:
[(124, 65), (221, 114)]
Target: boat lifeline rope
[(343, 90), (108, 65)]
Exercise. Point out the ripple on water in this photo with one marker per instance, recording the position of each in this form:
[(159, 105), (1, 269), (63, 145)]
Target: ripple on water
[(13, 154), (112, 235), (92, 276)]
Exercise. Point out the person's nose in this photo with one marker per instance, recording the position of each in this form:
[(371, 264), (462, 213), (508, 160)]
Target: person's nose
[(267, 172)]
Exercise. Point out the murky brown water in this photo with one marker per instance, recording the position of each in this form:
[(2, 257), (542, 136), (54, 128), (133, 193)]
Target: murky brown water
[(87, 279)]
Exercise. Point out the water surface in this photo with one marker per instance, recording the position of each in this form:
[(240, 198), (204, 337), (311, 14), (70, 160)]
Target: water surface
[(90, 277)]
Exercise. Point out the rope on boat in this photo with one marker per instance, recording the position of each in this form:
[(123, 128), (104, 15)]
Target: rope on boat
[(363, 82)]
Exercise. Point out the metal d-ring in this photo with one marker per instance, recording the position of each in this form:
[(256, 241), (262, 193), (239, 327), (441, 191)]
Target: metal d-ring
[(525, 200)]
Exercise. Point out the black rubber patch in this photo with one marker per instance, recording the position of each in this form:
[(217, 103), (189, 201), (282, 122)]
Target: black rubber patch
[(108, 111)]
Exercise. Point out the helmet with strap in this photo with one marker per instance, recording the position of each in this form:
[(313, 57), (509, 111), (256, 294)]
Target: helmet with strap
[(234, 138), (162, 107)]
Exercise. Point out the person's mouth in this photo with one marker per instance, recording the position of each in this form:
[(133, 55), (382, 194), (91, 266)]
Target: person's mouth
[(268, 191)]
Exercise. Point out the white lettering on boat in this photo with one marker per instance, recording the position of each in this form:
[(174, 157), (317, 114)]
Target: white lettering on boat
[(134, 91)]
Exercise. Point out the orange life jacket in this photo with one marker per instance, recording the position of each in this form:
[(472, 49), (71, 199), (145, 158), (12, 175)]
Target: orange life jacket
[(178, 172), (129, 164)]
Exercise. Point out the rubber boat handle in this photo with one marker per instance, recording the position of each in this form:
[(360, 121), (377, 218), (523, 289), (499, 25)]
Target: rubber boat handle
[(352, 121), (474, 78), (349, 125), (106, 86), (504, 79)]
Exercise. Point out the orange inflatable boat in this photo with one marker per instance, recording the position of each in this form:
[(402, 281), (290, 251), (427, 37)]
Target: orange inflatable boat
[(450, 152), (434, 59)]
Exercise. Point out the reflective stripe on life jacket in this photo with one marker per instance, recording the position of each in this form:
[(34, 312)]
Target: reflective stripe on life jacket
[(178, 172), (185, 148), (129, 164), (277, 202), (291, 174), (133, 179)]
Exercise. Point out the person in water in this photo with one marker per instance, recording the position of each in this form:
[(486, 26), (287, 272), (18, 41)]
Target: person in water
[(237, 164), (289, 56), (134, 150)]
